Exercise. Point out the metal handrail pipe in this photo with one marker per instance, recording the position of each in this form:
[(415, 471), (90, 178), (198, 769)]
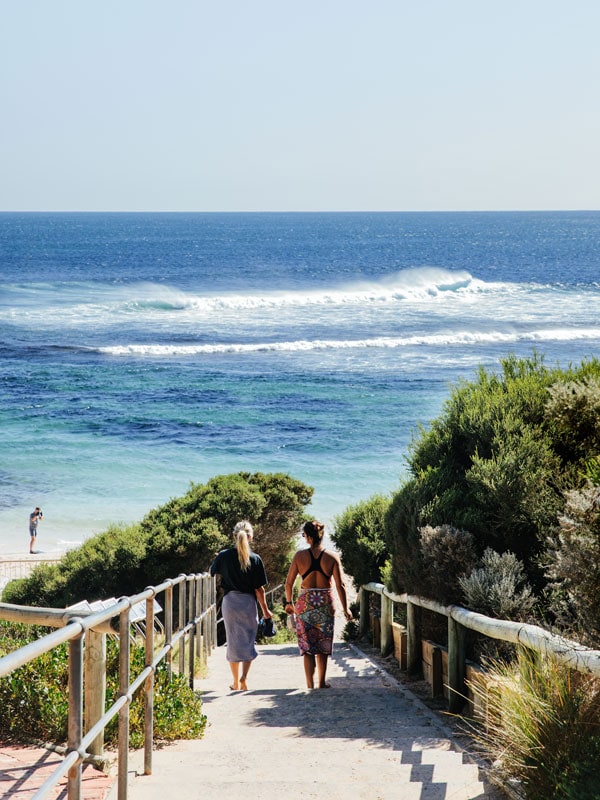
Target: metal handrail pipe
[(133, 687), (170, 582), (160, 655), (18, 658), (52, 617), (70, 760)]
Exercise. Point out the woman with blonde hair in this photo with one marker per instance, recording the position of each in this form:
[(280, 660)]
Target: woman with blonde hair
[(243, 580), (319, 569)]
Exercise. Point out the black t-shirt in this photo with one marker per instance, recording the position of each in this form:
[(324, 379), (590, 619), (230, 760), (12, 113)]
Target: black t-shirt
[(227, 565)]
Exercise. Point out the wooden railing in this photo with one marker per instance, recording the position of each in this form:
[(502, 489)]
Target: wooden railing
[(460, 620), (87, 720)]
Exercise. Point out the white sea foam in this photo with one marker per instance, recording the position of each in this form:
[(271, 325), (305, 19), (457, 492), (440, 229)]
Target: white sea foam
[(425, 283), (437, 340)]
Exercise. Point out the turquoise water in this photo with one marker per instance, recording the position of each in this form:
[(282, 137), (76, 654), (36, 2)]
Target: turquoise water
[(141, 352)]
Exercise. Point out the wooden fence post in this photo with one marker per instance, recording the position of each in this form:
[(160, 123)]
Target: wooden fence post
[(387, 612), (414, 654), (363, 628), (456, 666), (169, 629), (94, 669), (149, 688)]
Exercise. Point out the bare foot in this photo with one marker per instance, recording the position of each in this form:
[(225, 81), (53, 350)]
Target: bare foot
[(243, 685), (324, 686), (234, 688)]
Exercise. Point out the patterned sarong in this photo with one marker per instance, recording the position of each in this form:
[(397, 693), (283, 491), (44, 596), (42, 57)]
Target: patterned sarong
[(314, 621)]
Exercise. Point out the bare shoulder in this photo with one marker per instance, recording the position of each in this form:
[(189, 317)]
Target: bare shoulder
[(331, 558), (301, 557)]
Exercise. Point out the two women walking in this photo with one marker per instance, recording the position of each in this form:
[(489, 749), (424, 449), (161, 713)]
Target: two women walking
[(243, 580)]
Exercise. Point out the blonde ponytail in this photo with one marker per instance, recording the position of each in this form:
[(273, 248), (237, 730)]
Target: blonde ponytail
[(243, 534)]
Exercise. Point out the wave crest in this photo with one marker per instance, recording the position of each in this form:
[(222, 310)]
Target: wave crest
[(303, 345)]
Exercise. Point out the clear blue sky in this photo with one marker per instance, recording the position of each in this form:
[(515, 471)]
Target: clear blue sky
[(316, 105)]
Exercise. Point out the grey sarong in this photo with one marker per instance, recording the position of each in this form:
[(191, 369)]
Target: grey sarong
[(241, 622)]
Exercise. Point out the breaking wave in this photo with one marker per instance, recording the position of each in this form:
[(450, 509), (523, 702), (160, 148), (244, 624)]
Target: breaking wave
[(303, 345)]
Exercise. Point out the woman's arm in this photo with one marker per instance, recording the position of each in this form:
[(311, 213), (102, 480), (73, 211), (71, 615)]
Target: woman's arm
[(341, 587), (289, 585), (261, 596)]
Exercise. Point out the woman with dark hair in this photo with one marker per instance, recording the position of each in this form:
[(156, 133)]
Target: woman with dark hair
[(318, 569), (243, 580)]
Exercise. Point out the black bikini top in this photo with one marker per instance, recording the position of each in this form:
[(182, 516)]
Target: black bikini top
[(315, 565)]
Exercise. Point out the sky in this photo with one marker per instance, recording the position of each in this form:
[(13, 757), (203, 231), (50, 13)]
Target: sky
[(324, 105)]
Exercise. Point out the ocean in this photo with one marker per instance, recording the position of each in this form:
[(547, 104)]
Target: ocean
[(142, 352)]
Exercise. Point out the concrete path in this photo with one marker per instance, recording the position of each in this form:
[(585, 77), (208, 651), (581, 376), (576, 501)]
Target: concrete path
[(365, 738)]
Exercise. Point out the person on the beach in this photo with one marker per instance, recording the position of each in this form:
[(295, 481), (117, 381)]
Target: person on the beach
[(35, 516), (314, 609), (243, 580)]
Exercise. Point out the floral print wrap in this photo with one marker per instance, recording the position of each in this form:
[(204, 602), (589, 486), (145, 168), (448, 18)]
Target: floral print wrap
[(314, 621)]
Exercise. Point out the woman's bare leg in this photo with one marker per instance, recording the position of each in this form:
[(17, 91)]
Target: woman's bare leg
[(245, 670), (322, 670), (309, 670), (235, 672)]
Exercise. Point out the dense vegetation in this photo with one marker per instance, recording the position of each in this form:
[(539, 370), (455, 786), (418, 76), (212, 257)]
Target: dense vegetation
[(41, 687), (183, 535), (359, 534), (506, 470)]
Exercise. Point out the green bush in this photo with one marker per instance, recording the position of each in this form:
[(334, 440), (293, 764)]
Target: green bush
[(543, 728), (34, 698), (495, 463), (177, 708), (573, 412), (498, 588), (573, 565), (183, 535), (359, 535), (447, 554)]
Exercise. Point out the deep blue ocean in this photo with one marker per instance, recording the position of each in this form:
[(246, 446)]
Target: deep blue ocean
[(142, 352)]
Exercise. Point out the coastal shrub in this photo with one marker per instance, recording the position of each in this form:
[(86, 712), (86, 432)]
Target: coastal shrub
[(498, 587), (493, 464), (542, 727), (183, 535), (573, 412), (591, 472), (573, 565), (177, 708), (447, 554), (359, 535), (34, 698), (406, 514)]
